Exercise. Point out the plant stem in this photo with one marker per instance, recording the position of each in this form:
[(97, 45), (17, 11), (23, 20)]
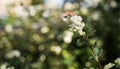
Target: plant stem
[(96, 57)]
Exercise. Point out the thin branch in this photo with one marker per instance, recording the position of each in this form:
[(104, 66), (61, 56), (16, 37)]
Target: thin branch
[(96, 57)]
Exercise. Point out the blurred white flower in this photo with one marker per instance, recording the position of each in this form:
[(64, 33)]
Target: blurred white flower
[(81, 32), (76, 24), (32, 10), (56, 49), (42, 57), (87, 64), (4, 66), (8, 28), (109, 66), (90, 3), (84, 10), (68, 37), (35, 25), (19, 32), (113, 3), (20, 11), (117, 61), (69, 6), (41, 47), (53, 4), (96, 15), (13, 53), (45, 29), (46, 14), (65, 19), (39, 7), (36, 37)]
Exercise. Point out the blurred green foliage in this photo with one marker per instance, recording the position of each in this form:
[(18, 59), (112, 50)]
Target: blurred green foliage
[(36, 42)]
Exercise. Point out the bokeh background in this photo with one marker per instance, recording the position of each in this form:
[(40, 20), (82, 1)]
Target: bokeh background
[(33, 35)]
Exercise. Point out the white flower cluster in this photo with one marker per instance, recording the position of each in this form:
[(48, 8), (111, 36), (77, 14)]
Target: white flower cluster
[(12, 54), (6, 66), (76, 24)]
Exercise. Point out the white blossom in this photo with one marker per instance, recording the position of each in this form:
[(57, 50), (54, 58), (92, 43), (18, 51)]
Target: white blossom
[(53, 4), (45, 29), (32, 10), (42, 57), (9, 28), (56, 49), (4, 66), (75, 24), (46, 14), (13, 53), (109, 66), (76, 19), (20, 11), (117, 61), (68, 37), (81, 32), (84, 10), (69, 6), (65, 19), (96, 15)]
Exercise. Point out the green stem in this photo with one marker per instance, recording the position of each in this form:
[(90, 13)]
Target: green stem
[(96, 57)]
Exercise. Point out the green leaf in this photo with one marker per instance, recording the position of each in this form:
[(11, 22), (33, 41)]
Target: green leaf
[(79, 44), (98, 51), (91, 58)]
